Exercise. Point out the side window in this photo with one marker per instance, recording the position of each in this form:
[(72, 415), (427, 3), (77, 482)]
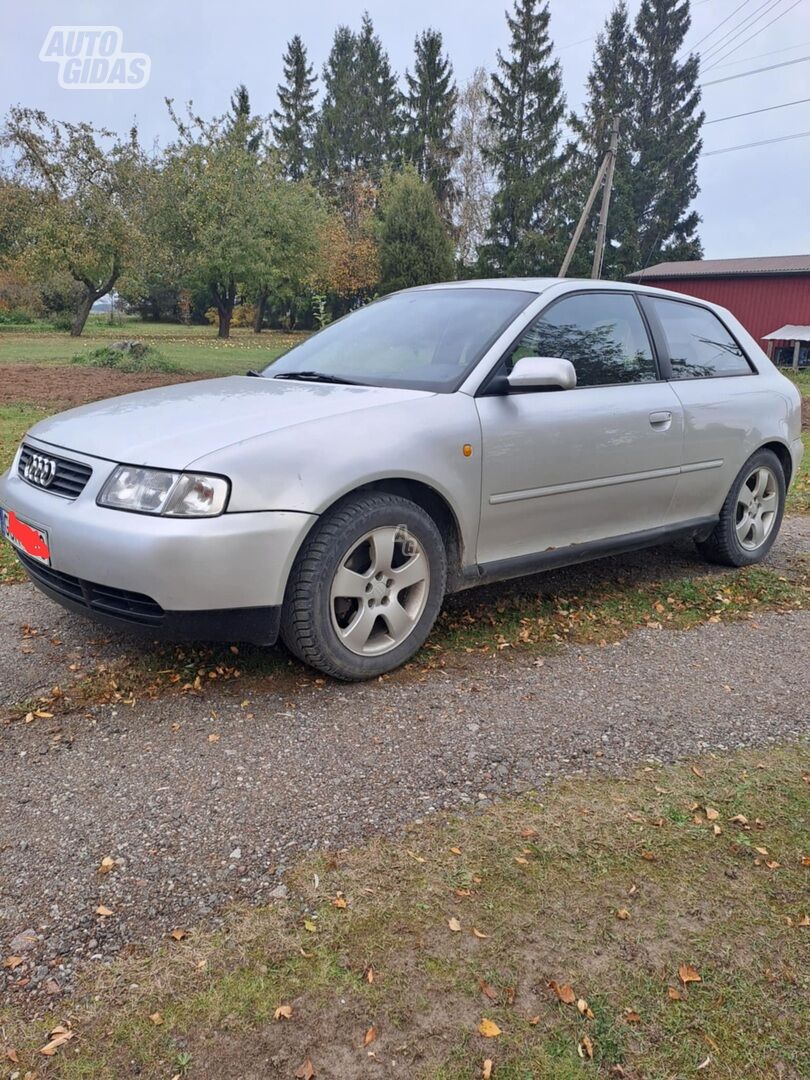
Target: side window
[(699, 345), (602, 334)]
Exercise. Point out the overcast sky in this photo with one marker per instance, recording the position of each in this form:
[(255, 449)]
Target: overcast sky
[(753, 202)]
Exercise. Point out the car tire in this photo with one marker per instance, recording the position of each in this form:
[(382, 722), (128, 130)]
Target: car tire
[(751, 515), (386, 554)]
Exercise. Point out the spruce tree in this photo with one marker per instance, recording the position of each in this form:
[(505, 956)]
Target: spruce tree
[(609, 94), (431, 108), (335, 147), (293, 123), (359, 125), (243, 128), (378, 105), (666, 140), (414, 245), (526, 109)]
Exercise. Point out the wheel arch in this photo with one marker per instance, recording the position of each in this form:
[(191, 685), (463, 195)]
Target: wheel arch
[(782, 452), (433, 503)]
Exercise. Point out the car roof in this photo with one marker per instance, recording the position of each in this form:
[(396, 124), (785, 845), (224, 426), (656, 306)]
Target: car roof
[(541, 284)]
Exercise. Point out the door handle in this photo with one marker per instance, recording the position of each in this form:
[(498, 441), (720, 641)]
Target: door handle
[(661, 420)]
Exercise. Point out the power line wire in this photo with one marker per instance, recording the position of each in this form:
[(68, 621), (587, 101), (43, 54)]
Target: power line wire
[(716, 28), (758, 56), (740, 28), (762, 142), (761, 30), (753, 112), (756, 71)]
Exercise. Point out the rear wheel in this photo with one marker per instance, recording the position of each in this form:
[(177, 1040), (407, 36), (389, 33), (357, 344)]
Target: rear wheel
[(751, 515), (366, 587)]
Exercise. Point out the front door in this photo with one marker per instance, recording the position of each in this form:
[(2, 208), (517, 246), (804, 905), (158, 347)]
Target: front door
[(564, 467)]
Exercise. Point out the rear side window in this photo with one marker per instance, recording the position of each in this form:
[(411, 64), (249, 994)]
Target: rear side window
[(700, 347), (602, 334)]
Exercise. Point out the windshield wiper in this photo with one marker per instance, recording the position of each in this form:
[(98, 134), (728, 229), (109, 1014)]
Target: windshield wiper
[(316, 376), (254, 374)]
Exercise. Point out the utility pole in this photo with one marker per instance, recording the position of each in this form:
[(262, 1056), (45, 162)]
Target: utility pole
[(601, 230), (604, 175)]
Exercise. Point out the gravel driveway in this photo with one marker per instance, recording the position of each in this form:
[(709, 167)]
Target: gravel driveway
[(201, 802)]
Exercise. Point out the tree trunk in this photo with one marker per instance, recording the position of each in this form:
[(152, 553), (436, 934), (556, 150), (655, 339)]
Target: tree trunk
[(261, 304), (224, 300), (225, 314), (80, 318)]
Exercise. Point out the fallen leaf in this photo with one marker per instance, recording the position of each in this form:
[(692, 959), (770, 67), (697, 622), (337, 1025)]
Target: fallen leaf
[(534, 1020), (772, 864), (12, 962), (178, 934), (687, 974), (648, 855), (58, 1037), (454, 925), (584, 1008), (456, 850), (413, 855), (11, 1055), (804, 920), (528, 833), (486, 1072), (310, 926), (369, 1036), (305, 1071), (339, 901), (487, 990), (489, 1029), (705, 1064), (712, 814), (369, 974), (805, 860), (673, 994), (739, 819), (521, 860), (631, 1016), (479, 934), (716, 829), (565, 993), (585, 1048), (107, 864), (761, 850), (156, 1018), (213, 737), (283, 1012), (103, 911), (697, 771), (623, 914)]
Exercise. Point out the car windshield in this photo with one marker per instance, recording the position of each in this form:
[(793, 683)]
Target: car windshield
[(424, 340)]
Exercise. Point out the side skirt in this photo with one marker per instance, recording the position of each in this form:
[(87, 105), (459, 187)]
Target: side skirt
[(553, 558)]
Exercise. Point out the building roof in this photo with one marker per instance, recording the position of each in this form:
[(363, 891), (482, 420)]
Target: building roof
[(698, 268), (789, 332)]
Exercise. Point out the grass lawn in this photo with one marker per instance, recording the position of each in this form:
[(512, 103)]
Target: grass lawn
[(650, 927), (194, 348), (14, 422)]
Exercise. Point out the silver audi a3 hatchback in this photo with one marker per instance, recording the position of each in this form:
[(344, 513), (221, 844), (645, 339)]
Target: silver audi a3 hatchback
[(436, 439)]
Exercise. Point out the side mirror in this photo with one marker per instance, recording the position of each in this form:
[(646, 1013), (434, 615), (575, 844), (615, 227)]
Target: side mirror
[(543, 371)]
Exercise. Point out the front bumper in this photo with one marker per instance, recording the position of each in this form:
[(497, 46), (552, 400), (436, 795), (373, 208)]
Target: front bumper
[(219, 578)]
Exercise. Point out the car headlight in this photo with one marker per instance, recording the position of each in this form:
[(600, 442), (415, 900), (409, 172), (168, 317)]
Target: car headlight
[(171, 494)]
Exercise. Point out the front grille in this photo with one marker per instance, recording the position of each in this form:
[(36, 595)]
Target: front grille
[(69, 479), (104, 599)]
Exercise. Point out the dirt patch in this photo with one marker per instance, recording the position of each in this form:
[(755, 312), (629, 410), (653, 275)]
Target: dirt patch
[(63, 386)]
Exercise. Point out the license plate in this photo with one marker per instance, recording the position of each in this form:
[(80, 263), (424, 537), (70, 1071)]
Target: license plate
[(25, 537)]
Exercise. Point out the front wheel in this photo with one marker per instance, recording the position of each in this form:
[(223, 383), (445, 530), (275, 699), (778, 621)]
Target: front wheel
[(751, 515), (365, 588)]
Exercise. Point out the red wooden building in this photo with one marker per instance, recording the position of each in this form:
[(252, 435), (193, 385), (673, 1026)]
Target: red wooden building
[(764, 293)]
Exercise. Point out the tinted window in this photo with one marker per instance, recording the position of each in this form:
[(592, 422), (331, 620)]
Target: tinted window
[(427, 340), (603, 336), (699, 344)]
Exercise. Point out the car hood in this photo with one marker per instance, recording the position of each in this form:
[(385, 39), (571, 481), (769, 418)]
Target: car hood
[(172, 426)]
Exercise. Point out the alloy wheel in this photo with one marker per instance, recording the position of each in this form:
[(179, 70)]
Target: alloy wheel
[(379, 591), (757, 508)]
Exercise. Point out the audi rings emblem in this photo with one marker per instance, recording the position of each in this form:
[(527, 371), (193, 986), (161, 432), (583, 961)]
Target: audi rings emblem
[(40, 470)]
